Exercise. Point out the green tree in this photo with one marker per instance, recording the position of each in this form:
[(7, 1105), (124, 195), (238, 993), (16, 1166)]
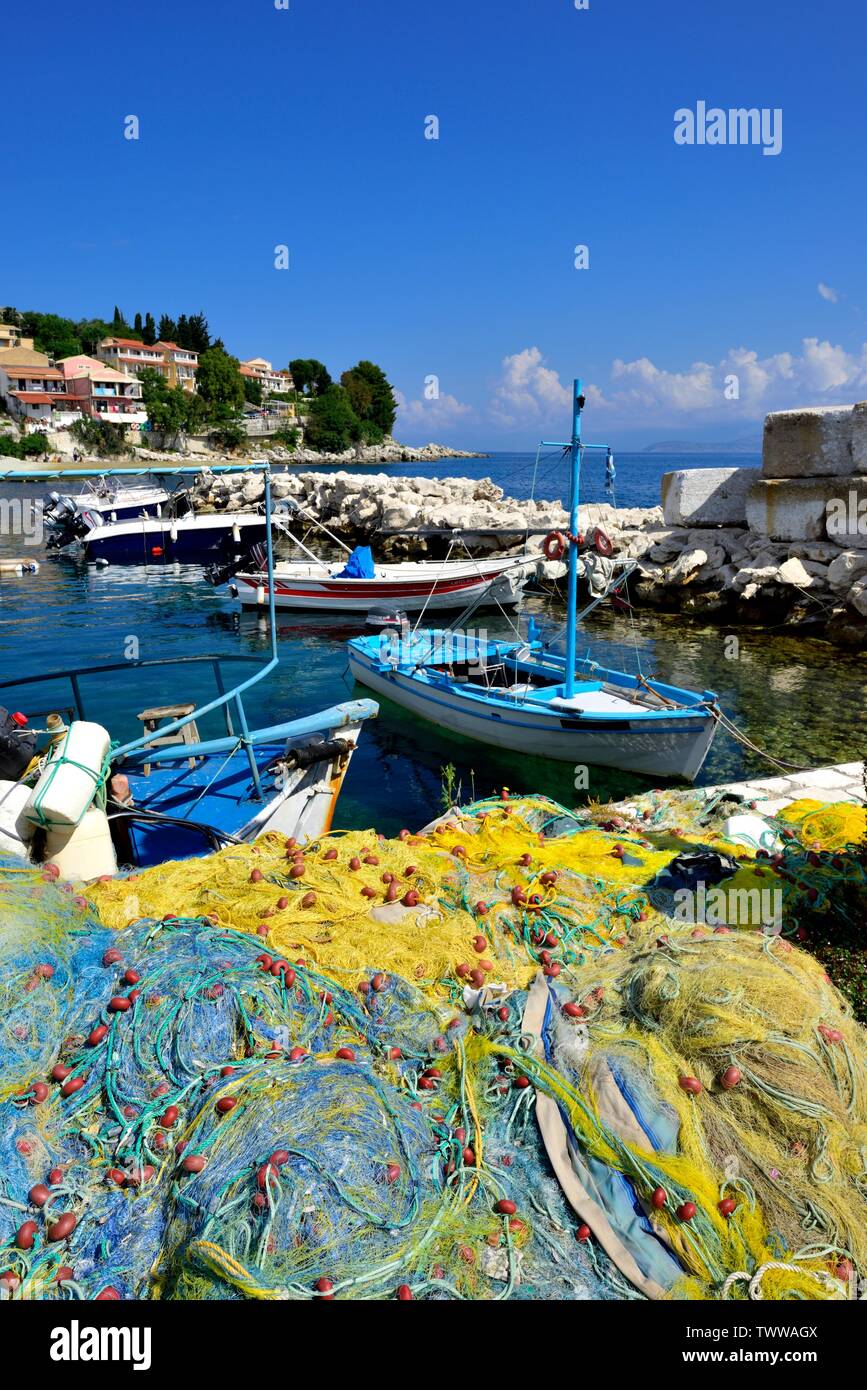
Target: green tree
[(168, 329), (149, 332), (220, 384), (332, 424), (51, 334), (252, 390), (183, 334), (312, 378), (371, 394), (138, 326), (119, 326), (91, 332), (199, 338), (172, 411)]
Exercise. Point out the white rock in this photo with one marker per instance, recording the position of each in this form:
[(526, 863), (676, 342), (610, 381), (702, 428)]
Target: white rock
[(707, 496), (849, 566), (857, 597), (819, 441), (794, 572), (686, 565)]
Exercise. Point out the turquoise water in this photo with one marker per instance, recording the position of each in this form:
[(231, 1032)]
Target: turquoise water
[(802, 699)]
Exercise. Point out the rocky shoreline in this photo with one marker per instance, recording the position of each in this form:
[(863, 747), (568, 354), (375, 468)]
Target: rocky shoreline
[(732, 573)]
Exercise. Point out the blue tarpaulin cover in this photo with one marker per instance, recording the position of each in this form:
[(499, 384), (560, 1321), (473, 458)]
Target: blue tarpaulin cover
[(360, 564)]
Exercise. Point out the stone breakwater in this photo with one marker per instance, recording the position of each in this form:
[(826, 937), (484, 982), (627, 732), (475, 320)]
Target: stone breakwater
[(734, 572)]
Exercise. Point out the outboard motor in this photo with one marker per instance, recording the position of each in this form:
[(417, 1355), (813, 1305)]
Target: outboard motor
[(67, 522)]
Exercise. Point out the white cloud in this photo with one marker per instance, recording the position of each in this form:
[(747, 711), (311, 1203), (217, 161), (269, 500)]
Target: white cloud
[(529, 389), (827, 293), (445, 410)]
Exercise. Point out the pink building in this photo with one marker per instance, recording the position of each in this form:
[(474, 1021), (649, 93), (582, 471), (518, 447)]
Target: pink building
[(103, 392)]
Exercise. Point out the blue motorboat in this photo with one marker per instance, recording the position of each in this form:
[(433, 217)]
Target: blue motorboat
[(532, 697), (171, 792)]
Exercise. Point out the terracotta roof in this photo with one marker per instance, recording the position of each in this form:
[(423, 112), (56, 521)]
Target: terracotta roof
[(31, 373), (42, 397), (130, 342)]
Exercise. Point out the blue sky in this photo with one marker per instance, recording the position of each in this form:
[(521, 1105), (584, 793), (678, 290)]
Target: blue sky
[(454, 257)]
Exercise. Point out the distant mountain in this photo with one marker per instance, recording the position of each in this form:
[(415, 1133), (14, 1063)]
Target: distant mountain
[(747, 444)]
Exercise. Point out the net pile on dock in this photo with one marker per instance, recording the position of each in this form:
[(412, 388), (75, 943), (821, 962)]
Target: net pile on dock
[(307, 1073)]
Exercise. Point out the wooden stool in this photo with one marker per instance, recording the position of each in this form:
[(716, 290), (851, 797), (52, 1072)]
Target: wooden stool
[(151, 720)]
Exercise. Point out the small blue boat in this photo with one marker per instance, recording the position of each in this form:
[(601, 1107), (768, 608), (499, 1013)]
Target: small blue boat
[(530, 697), (171, 793)]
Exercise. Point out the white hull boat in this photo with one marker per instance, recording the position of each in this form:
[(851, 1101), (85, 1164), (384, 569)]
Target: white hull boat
[(529, 698), (410, 586)]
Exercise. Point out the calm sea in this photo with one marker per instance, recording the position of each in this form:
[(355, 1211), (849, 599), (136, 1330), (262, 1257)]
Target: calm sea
[(801, 698)]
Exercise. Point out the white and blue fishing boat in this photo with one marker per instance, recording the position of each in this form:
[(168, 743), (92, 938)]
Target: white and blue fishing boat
[(530, 697), (169, 791), (149, 526)]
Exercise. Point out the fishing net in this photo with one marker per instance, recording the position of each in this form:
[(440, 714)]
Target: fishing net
[(310, 1073)]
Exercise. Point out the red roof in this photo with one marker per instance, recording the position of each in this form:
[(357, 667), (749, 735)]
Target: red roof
[(32, 373), (42, 397), (133, 343)]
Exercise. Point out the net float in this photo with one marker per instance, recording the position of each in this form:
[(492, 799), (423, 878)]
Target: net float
[(549, 878), (111, 956), (37, 1093), (480, 943), (227, 1071), (481, 909), (291, 842), (469, 1157), (727, 1205), (686, 1211), (831, 1035), (355, 863), (519, 897), (573, 1010), (521, 1083), (345, 1054), (309, 900), (297, 871), (404, 1293), (426, 1083), (545, 957), (403, 834), (459, 852), (38, 1195), (44, 971), (169, 1117), (259, 1201), (503, 1014), (59, 1071), (410, 871), (328, 1019), (372, 859), (25, 1235), (477, 977), (159, 1140), (505, 1207), (691, 1084), (552, 940), (583, 1232), (730, 1078), (368, 892), (659, 1197), (63, 1227), (487, 966), (279, 1157), (256, 876), (377, 983), (131, 977), (462, 970), (108, 1294), (392, 893), (265, 1173), (97, 1035), (119, 1004), (330, 854), (410, 899), (116, 1176), (324, 1287), (394, 1054), (262, 929), (296, 1053), (139, 1177), (552, 970), (55, 1177), (264, 961), (136, 994), (194, 1163), (392, 1172)]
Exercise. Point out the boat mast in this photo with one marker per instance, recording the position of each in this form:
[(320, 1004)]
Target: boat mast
[(574, 491)]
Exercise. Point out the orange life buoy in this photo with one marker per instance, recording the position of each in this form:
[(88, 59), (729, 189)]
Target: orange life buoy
[(602, 542), (554, 545)]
